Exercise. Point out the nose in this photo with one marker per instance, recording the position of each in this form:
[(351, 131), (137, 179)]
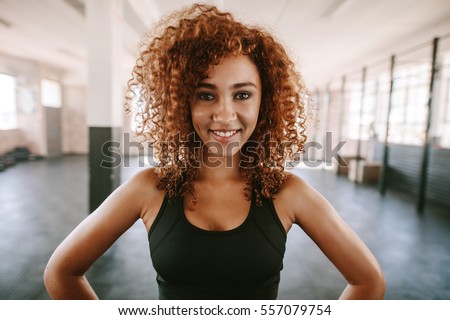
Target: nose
[(224, 112)]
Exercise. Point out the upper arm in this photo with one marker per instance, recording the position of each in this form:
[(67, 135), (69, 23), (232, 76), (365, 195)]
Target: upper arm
[(320, 221), (99, 230)]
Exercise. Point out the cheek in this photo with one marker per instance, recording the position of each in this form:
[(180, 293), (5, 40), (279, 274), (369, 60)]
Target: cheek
[(197, 116), (200, 120), (251, 116)]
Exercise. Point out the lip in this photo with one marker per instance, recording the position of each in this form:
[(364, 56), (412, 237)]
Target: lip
[(224, 139)]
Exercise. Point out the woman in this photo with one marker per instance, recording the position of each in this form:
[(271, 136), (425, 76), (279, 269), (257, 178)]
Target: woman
[(224, 108)]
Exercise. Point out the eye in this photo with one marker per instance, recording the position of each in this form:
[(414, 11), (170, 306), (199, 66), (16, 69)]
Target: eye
[(206, 96), (243, 95)]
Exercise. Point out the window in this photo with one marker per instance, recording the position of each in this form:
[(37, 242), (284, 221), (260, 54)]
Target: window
[(51, 94), (445, 134), (381, 107), (443, 102), (409, 105), (353, 110), (8, 109)]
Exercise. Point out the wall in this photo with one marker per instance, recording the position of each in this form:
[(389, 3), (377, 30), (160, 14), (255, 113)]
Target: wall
[(32, 126), (74, 123), (11, 139), (30, 113), (404, 166)]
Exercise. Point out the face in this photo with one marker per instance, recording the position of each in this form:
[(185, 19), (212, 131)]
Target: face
[(225, 105)]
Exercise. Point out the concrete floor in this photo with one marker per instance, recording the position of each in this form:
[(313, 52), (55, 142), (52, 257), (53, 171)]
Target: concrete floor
[(42, 201)]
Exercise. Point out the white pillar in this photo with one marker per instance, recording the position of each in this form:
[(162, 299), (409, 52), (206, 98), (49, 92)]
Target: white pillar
[(105, 46), (105, 59)]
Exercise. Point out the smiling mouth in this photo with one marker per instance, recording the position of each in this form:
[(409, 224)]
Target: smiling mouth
[(225, 134)]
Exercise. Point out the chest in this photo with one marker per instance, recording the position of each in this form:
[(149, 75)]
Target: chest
[(217, 209), (184, 253)]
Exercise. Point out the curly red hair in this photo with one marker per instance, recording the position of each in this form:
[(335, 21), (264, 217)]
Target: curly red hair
[(174, 57)]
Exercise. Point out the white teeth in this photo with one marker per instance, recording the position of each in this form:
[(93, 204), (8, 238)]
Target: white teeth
[(225, 134)]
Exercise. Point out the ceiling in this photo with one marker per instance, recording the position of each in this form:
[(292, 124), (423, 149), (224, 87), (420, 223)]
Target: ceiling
[(326, 38)]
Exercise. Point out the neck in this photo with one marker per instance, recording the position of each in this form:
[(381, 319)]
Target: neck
[(219, 169)]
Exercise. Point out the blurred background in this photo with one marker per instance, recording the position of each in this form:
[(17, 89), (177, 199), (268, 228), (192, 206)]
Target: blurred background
[(379, 73)]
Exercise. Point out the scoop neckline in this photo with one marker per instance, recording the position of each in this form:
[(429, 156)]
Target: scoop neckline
[(218, 232)]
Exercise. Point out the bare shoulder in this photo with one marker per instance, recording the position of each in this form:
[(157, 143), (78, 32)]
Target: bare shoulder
[(293, 185), (298, 200), (144, 180), (144, 186), (132, 198), (294, 190)]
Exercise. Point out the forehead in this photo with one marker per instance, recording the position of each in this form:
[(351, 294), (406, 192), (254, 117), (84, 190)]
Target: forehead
[(234, 68)]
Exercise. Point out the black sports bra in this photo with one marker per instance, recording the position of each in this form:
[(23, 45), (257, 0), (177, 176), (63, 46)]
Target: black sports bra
[(242, 263)]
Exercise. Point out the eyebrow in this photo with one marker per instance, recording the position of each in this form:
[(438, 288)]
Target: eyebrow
[(234, 86)]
